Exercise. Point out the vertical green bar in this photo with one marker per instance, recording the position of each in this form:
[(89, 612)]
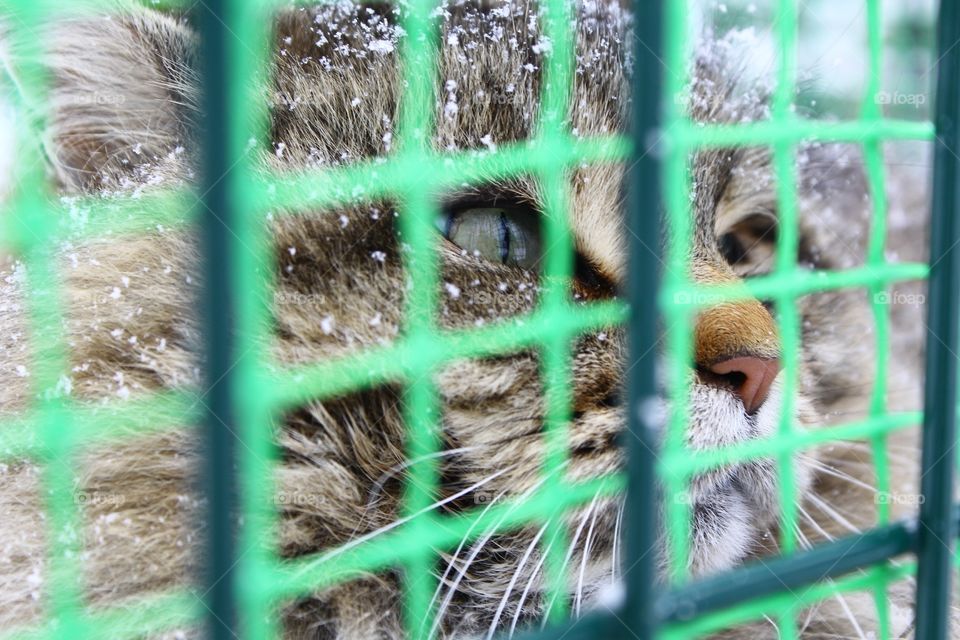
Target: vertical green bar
[(643, 222), (248, 24), (873, 156), (787, 246), (558, 268), (936, 531), (677, 307), (32, 226), (219, 303), (421, 414)]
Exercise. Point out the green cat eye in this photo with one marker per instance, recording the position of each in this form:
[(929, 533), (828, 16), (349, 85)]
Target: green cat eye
[(498, 234)]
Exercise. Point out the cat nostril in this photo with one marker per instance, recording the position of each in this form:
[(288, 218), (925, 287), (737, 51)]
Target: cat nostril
[(749, 377)]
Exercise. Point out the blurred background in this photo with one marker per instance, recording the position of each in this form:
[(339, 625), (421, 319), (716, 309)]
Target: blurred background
[(832, 50)]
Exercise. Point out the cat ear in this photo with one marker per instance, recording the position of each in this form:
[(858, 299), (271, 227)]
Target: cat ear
[(123, 98)]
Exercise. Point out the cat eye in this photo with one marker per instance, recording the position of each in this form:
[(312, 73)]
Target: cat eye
[(750, 243), (498, 234)]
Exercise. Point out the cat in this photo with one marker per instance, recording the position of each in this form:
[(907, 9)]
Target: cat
[(132, 327)]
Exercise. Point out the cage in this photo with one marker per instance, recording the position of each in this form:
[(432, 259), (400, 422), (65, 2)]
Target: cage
[(246, 580)]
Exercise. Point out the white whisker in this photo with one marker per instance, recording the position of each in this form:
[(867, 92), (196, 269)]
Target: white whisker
[(450, 563), (772, 624), (396, 523), (475, 550), (814, 524), (840, 475), (377, 488), (526, 589), (569, 556), (846, 610), (833, 513), (617, 544), (513, 581), (584, 560)]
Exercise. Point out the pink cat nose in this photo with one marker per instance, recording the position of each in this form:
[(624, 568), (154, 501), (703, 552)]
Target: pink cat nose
[(750, 377)]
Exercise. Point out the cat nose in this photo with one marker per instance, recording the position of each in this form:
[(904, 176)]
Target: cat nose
[(750, 378), (737, 348)]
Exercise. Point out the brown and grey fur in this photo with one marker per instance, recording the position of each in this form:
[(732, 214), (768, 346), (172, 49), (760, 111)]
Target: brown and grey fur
[(333, 101)]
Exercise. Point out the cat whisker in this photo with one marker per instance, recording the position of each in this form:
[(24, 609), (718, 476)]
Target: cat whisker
[(381, 482), (823, 506), (806, 544), (772, 623), (813, 523), (836, 473), (378, 486), (513, 581), (569, 556), (399, 521), (583, 562), (450, 563), (617, 544), (526, 589), (852, 618), (475, 550), (869, 464)]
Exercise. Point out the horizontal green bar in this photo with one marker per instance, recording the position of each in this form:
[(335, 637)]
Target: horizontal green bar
[(302, 576), (696, 135), (325, 188), (754, 609), (134, 619), (793, 284), (777, 575), (688, 462), (100, 218), (97, 217), (325, 379), (98, 422), (595, 624)]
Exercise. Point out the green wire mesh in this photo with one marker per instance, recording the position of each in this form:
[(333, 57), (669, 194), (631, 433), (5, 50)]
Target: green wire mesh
[(782, 132), (55, 427)]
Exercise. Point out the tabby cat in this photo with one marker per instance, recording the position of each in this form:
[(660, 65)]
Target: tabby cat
[(132, 327)]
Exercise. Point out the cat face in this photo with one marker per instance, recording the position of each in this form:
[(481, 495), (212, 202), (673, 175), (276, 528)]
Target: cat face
[(338, 105), (341, 289)]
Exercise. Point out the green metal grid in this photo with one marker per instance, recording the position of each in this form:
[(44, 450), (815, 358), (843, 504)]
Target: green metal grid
[(256, 391)]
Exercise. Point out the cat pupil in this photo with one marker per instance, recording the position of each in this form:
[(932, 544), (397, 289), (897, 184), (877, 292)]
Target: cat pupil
[(732, 249), (504, 238), (497, 234)]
